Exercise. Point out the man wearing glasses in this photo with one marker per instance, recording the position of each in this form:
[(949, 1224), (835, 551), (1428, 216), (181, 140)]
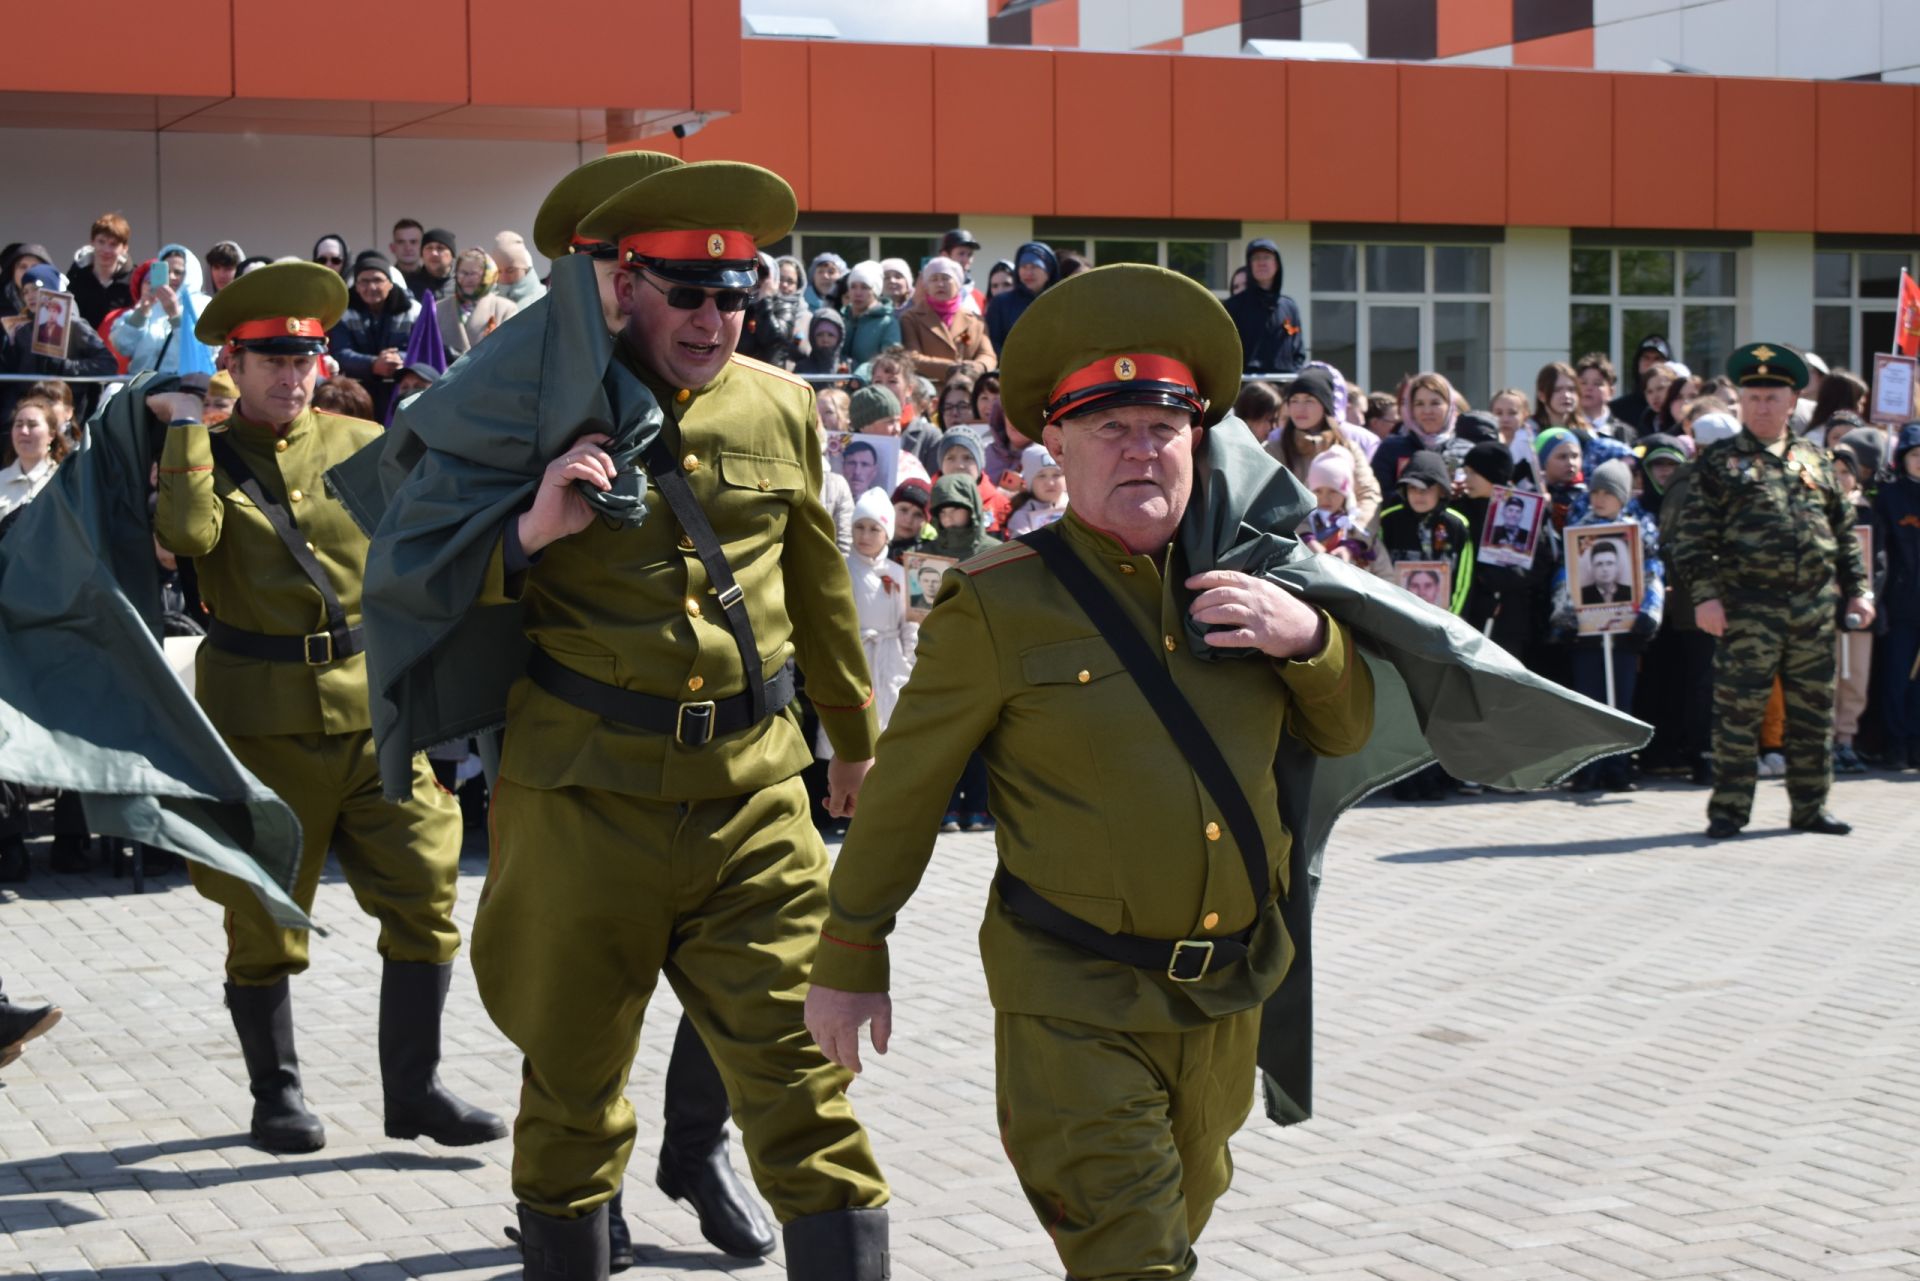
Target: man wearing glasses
[(651, 817)]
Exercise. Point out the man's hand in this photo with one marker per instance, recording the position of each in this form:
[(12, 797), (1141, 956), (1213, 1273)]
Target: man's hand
[(834, 1019), (843, 785), (1710, 617), (175, 406), (1264, 615), (387, 362), (558, 508), (1863, 608)]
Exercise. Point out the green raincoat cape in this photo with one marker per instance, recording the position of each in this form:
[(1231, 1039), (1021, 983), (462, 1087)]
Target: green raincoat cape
[(435, 495), (1442, 691), (88, 701)]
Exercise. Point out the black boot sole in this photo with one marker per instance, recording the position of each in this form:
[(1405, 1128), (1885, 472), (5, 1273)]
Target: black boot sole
[(671, 1189), (290, 1144), (447, 1138)]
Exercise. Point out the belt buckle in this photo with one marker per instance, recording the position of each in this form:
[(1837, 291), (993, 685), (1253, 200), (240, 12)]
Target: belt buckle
[(697, 718), (325, 651), (732, 596), (1192, 972)]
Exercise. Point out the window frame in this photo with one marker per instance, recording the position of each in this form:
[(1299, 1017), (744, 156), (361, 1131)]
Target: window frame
[(1855, 304), (1363, 299), (1674, 303)]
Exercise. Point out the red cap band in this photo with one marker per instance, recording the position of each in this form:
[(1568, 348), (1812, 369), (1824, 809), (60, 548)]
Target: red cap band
[(1113, 372), (585, 242), (690, 246), (276, 327)]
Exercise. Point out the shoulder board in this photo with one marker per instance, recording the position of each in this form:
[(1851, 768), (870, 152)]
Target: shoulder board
[(1005, 554), (761, 367)]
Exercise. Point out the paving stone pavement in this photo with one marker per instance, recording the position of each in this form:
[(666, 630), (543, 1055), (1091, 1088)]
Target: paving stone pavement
[(1559, 1038)]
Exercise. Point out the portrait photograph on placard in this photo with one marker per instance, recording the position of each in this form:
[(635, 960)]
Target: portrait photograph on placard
[(924, 572), (1606, 576), (52, 319), (1430, 580), (869, 462), (1514, 518)]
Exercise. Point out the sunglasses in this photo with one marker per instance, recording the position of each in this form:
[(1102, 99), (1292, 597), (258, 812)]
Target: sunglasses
[(692, 298), (330, 259)]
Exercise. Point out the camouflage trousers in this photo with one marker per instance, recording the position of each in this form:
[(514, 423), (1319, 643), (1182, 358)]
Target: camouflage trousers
[(1767, 636)]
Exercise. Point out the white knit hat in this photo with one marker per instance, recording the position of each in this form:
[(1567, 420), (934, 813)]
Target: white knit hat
[(867, 273), (874, 505)]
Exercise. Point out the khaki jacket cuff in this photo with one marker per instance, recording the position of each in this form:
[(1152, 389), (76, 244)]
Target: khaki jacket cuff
[(852, 731), (848, 966), (1324, 675)]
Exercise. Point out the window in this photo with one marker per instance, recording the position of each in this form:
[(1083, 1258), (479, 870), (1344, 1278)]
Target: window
[(1378, 313), (1201, 260), (1854, 297), (1622, 296)]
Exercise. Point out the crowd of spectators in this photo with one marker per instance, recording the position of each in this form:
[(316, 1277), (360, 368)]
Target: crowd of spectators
[(1410, 482)]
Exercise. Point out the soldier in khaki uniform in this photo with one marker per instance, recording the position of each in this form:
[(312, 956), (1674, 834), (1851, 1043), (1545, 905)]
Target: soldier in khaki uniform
[(282, 677), (1125, 1060), (650, 817)]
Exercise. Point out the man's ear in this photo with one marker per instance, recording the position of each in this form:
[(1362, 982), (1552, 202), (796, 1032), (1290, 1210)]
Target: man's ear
[(626, 290), (1054, 437)]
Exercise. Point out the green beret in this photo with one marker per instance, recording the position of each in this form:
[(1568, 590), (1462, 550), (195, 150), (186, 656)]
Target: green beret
[(699, 224), (1768, 365), (284, 309), (1139, 319), (582, 191)]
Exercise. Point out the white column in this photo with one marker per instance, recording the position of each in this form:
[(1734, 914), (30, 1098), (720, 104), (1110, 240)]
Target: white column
[(1532, 318), (999, 237), (1776, 292)]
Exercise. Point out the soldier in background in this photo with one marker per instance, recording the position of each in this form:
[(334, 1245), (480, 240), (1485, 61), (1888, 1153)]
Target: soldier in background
[(1766, 544)]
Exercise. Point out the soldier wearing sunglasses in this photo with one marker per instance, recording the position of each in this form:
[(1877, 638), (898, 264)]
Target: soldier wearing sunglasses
[(651, 819)]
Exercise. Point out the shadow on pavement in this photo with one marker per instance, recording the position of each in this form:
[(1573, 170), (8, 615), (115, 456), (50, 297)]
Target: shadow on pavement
[(425, 1265), (1562, 849), (15, 1213), (53, 1174)]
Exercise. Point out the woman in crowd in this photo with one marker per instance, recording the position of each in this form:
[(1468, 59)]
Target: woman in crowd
[(1428, 412), (1313, 427), (871, 325), (896, 283), (473, 310), (999, 279), (1837, 409), (150, 333), (775, 328), (939, 330), (329, 251), (956, 402), (515, 280), (38, 447), (824, 281)]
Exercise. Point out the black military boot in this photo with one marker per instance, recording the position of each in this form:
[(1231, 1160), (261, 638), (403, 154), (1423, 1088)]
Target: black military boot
[(70, 853), (563, 1249), (20, 1024), (14, 866), (693, 1153), (841, 1245), (263, 1016), (412, 996)]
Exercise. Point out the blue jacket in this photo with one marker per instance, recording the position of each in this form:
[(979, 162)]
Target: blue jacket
[(1653, 594), (362, 335), (1011, 305), (1898, 507)]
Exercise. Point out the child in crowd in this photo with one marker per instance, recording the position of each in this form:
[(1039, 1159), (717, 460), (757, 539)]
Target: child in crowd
[(1609, 501), (1856, 457), (910, 521), (880, 597), (1557, 473), (1502, 602), (1421, 527), (962, 535), (1045, 498), (963, 453), (1331, 527), (1898, 506)]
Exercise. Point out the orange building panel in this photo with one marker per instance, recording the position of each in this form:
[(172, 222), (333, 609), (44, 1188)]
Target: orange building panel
[(263, 34), (1863, 153), (1453, 145), (1058, 23), (988, 93), (1206, 15), (717, 57), (1650, 110), (1228, 172), (516, 61), (1558, 123), (1765, 138), (1463, 26), (1350, 113), (1571, 49), (185, 50), (771, 129), (1113, 135), (870, 125)]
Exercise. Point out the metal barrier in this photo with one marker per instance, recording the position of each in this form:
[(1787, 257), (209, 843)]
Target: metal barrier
[(66, 378)]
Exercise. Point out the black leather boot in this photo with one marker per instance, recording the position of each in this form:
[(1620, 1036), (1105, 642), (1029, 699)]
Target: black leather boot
[(263, 1016), (70, 853), (693, 1153), (14, 867), (412, 996), (563, 1249), (20, 1024), (842, 1245)]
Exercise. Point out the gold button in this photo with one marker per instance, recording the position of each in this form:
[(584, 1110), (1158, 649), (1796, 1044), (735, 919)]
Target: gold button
[(693, 608), (691, 462), (1213, 831), (279, 446), (296, 495), (765, 484), (1210, 920), (312, 548), (695, 683), (1125, 568), (686, 544), (1084, 676), (1170, 644), (682, 396)]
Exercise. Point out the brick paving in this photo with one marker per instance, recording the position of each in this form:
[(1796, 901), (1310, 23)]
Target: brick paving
[(1559, 1038)]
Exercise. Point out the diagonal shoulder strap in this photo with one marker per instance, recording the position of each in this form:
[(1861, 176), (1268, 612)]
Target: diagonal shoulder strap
[(282, 521), (1182, 723), (706, 544)]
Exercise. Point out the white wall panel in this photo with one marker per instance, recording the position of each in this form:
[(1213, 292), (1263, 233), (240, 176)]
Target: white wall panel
[(1833, 40), (274, 194), (1730, 37), (60, 180), (473, 189), (1342, 20), (1638, 44)]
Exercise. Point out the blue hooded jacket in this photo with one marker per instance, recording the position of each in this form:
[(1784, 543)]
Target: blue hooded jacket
[(1013, 304)]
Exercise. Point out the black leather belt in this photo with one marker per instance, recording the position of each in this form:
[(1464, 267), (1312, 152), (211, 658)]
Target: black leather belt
[(316, 649), (1182, 960), (690, 724)]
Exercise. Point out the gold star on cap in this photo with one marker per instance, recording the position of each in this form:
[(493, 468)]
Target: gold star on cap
[(716, 245), (1123, 369)]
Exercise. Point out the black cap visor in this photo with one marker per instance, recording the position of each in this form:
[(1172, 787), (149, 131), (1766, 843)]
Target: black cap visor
[(709, 274), (290, 345), (1106, 396)]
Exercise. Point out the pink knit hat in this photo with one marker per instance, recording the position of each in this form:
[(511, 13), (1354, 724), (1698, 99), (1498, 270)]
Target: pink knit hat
[(1331, 469)]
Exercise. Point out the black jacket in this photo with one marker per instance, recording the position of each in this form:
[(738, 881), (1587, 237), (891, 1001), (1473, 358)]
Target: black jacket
[(95, 301), (1011, 305), (1272, 338), (361, 335), (86, 355)]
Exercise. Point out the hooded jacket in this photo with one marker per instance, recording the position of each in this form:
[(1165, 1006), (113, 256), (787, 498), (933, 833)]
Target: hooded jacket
[(147, 340), (868, 333), (958, 490), (9, 295), (363, 334), (1271, 333), (1898, 506), (1008, 307), (86, 356)]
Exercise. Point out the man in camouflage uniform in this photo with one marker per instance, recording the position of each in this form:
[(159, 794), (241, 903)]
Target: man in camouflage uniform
[(1767, 544)]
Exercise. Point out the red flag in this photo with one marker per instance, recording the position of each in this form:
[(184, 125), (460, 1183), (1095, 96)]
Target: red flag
[(1906, 327)]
